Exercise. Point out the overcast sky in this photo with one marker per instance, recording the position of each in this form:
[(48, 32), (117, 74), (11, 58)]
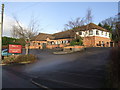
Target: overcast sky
[(53, 15)]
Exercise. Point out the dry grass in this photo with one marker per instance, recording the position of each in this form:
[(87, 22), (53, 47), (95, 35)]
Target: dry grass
[(13, 59)]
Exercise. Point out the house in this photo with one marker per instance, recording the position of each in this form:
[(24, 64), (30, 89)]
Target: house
[(92, 34)]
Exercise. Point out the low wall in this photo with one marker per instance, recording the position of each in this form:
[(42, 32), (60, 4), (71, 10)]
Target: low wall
[(55, 46), (73, 48), (48, 46), (35, 47), (51, 46)]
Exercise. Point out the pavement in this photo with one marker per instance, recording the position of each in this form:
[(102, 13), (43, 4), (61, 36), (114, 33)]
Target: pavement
[(87, 69)]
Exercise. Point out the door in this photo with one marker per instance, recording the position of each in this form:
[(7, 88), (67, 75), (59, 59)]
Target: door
[(111, 44), (44, 45)]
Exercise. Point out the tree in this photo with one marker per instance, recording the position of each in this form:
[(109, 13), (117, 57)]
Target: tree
[(112, 25), (78, 22), (88, 20), (116, 34), (89, 16), (109, 23), (72, 24), (100, 24), (25, 33)]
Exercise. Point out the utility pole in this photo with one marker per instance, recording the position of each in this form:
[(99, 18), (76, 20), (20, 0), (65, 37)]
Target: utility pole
[(1, 30)]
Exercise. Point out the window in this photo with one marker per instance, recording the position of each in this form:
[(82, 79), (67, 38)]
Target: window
[(80, 33), (90, 32), (56, 42), (97, 32), (109, 35), (103, 43), (99, 42), (66, 41), (106, 34), (86, 32), (52, 43), (77, 33), (102, 32), (63, 41)]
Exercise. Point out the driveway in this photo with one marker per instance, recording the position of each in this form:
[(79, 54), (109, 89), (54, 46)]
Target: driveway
[(77, 70)]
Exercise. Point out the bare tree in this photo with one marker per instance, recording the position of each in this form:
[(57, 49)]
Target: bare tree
[(74, 23), (111, 22), (25, 33), (88, 16), (88, 20), (116, 32), (78, 22)]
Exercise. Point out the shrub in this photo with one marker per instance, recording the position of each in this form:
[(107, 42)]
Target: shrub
[(114, 68), (76, 42), (20, 59)]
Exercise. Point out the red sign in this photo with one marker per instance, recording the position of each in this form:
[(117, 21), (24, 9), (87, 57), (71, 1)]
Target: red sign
[(15, 48)]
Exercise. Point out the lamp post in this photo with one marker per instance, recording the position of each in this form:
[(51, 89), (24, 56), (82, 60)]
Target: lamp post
[(1, 29)]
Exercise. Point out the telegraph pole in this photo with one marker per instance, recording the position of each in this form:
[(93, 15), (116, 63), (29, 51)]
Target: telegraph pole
[(1, 29)]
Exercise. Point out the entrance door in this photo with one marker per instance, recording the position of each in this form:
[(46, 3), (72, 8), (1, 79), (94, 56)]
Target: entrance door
[(103, 44), (111, 44), (44, 45)]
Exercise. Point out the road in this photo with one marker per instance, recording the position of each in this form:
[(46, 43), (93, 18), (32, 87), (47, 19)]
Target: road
[(77, 70)]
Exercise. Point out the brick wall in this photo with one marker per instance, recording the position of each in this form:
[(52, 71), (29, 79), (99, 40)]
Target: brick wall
[(95, 41), (73, 48), (89, 41), (105, 40), (92, 41)]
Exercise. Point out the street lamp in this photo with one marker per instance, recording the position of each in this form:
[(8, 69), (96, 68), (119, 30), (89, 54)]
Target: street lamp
[(1, 29)]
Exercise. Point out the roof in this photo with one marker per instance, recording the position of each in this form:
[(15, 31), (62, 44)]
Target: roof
[(64, 34), (90, 27), (42, 37), (68, 33)]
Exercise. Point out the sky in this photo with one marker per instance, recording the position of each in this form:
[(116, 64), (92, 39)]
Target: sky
[(52, 16)]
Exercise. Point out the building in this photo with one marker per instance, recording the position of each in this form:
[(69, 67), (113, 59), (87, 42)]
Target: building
[(50, 41), (93, 36)]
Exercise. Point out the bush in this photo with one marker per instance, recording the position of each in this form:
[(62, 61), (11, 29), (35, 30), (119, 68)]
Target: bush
[(76, 42), (19, 59), (114, 68)]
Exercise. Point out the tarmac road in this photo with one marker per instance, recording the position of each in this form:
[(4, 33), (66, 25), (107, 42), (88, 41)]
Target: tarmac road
[(77, 70)]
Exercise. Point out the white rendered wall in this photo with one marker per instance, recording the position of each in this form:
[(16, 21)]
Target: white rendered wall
[(94, 33)]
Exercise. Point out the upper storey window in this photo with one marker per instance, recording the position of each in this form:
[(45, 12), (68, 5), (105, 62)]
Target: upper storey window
[(106, 34), (90, 32), (102, 32), (80, 33), (109, 35), (97, 32)]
